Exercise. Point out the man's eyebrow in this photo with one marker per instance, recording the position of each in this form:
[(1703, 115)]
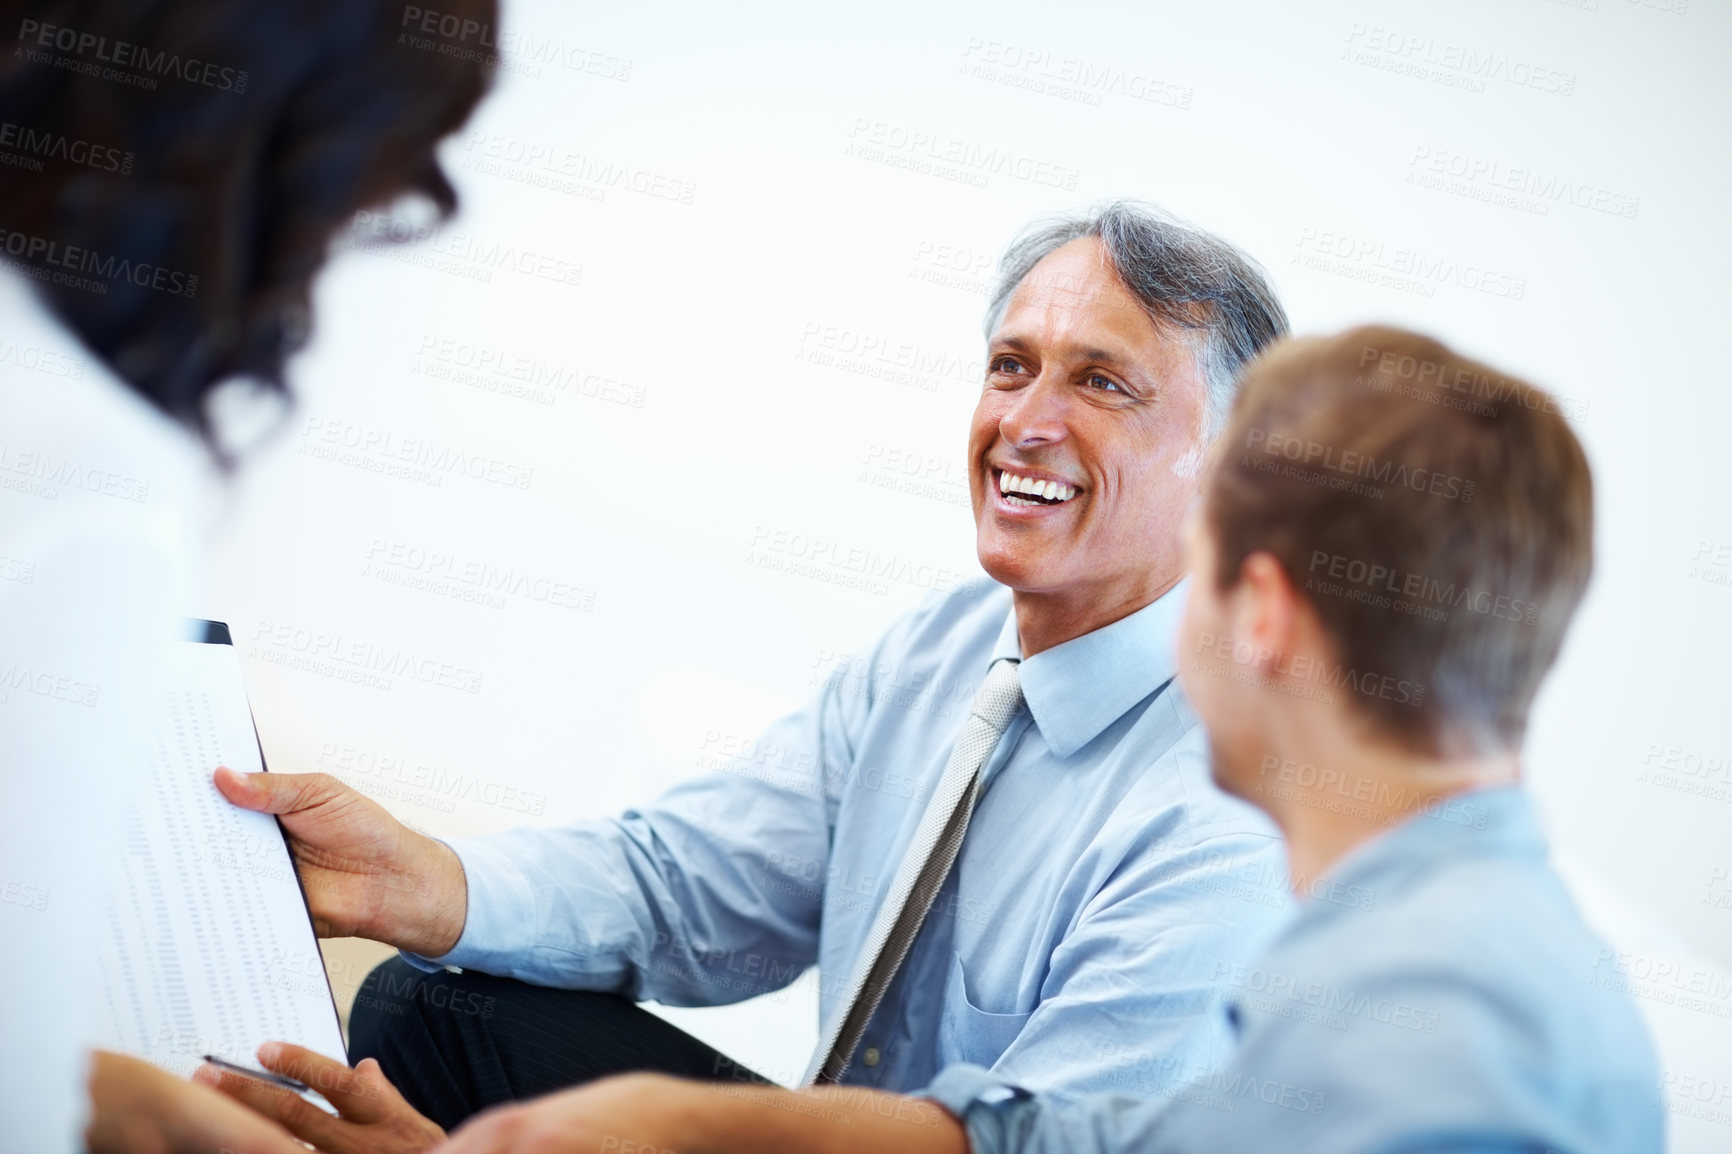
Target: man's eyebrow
[(1014, 343), (1104, 357)]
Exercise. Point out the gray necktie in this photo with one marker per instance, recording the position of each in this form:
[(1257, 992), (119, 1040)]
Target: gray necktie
[(923, 869)]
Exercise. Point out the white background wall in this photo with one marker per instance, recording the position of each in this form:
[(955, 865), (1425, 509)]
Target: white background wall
[(781, 223)]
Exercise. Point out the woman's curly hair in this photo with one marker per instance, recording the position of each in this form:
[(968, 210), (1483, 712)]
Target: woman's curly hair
[(178, 169)]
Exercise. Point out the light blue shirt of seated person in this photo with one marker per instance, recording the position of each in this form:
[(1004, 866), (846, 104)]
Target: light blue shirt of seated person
[(1438, 993), (1104, 888)]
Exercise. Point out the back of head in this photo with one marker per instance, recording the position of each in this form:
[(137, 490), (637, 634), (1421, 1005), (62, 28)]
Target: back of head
[(181, 167), (1435, 513)]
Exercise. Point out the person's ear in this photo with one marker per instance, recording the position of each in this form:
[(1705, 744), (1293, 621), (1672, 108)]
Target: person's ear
[(1266, 606)]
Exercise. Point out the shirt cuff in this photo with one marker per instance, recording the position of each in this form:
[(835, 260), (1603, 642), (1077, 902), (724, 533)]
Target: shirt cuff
[(500, 923), (995, 1113)]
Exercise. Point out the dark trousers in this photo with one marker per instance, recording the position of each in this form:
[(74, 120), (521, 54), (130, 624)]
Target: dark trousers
[(455, 1044)]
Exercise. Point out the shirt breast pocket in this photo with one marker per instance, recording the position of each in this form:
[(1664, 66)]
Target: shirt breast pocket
[(968, 1033)]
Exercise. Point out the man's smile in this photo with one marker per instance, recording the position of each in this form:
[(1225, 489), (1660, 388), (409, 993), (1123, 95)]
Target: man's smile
[(1030, 490)]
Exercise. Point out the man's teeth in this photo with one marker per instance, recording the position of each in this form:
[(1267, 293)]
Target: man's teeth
[(1053, 492)]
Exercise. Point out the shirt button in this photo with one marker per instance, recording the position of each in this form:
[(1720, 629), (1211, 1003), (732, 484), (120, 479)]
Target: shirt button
[(871, 1056)]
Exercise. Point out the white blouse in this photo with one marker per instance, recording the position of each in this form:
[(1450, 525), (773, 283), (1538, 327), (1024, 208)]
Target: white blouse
[(99, 534)]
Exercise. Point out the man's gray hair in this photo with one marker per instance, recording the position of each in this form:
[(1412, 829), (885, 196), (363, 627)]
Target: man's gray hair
[(1185, 278)]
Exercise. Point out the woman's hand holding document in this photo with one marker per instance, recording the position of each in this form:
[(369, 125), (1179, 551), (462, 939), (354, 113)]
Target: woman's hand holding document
[(137, 1106)]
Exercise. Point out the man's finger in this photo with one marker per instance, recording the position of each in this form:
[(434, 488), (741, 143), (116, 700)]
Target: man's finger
[(356, 1096), (284, 1107), (373, 1076), (277, 792)]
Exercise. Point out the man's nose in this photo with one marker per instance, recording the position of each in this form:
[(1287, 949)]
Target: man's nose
[(1036, 415)]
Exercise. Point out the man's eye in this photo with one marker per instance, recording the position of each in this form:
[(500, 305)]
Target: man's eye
[(1096, 381), (1006, 365)]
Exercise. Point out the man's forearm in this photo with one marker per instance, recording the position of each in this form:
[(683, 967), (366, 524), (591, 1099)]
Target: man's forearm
[(752, 1119)]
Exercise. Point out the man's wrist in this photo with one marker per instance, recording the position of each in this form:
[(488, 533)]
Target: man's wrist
[(438, 904), (718, 1118)]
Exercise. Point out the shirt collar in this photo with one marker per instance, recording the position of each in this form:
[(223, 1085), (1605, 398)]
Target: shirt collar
[(1077, 689)]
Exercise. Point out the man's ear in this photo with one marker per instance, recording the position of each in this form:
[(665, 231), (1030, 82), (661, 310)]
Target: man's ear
[(1267, 607)]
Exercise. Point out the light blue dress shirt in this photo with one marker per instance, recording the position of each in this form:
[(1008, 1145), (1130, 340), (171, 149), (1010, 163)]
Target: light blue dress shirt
[(1442, 994), (1104, 887)]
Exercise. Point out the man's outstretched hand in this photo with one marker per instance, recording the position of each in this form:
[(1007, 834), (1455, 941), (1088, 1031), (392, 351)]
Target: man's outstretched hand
[(654, 1113), (366, 873), (372, 1118)]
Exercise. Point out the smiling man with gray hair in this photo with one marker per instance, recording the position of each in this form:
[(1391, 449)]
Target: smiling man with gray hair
[(996, 836)]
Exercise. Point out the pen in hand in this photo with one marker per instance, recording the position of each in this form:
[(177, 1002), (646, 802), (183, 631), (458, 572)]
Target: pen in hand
[(284, 1081)]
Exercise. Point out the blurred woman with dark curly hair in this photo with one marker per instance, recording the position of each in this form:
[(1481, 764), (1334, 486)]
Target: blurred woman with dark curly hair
[(172, 174)]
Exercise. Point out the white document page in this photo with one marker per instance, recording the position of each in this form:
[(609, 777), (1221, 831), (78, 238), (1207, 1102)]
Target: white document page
[(209, 949)]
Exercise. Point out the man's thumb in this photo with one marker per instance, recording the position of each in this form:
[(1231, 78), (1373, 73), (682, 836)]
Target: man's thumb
[(271, 792)]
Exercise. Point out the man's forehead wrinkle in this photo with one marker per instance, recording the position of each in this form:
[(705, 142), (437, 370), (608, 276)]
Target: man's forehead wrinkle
[(1058, 281), (1085, 328), (1072, 297)]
